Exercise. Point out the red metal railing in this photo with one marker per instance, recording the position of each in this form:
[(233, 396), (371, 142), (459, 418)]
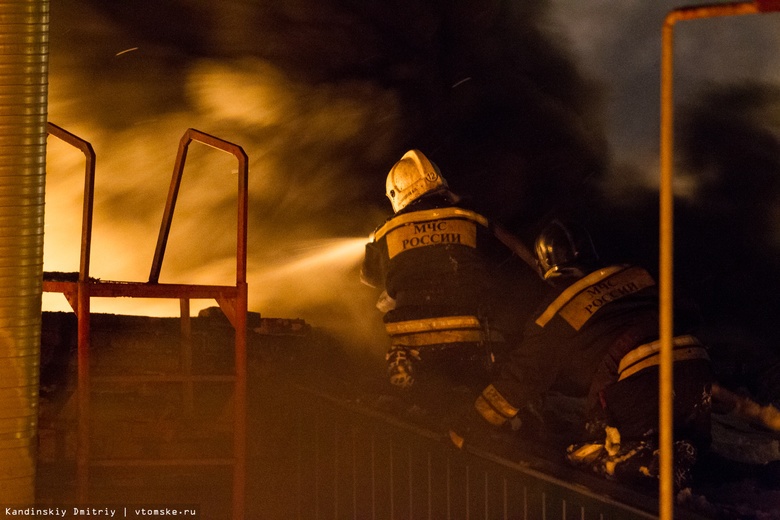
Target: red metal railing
[(232, 299)]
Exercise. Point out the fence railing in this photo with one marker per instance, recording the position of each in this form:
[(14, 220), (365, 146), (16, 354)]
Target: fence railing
[(333, 458)]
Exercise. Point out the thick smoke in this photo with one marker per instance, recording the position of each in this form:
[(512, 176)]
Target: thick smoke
[(619, 45), (324, 97), (730, 146), (726, 152)]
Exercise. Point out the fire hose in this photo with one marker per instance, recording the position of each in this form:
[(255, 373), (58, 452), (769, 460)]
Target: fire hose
[(515, 245)]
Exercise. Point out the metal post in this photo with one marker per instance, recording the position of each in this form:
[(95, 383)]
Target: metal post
[(666, 324), (79, 298), (185, 360), (240, 402), (666, 260), (83, 391)]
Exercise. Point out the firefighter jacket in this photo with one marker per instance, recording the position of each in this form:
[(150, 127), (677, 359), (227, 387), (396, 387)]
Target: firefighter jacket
[(583, 338), (435, 258)]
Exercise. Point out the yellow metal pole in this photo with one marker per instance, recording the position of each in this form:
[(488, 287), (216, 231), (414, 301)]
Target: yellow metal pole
[(666, 264), (666, 256)]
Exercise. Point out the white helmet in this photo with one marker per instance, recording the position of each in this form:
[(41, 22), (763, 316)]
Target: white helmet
[(412, 177)]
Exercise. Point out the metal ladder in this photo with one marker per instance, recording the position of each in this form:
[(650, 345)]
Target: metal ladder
[(232, 300)]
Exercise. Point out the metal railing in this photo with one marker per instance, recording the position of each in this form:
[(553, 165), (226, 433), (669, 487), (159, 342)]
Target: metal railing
[(331, 457), (232, 299)]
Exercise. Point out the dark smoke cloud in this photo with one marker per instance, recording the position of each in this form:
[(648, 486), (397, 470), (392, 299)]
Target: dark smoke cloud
[(479, 85), (619, 45), (325, 97), (530, 108), (726, 214), (730, 144), (726, 150)]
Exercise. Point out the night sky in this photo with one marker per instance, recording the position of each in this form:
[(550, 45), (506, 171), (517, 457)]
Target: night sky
[(532, 109)]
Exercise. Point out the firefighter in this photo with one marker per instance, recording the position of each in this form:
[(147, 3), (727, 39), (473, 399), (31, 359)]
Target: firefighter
[(435, 261), (596, 336)]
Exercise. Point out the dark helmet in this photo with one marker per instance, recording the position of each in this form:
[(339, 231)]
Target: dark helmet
[(565, 249)]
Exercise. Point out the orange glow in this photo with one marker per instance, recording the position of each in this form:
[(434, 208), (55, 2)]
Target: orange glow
[(287, 276), (202, 241), (289, 130)]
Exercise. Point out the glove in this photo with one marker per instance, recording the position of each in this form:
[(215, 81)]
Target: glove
[(385, 303), (400, 369)]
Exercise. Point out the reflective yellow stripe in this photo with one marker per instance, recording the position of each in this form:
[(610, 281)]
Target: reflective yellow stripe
[(583, 306), (648, 355), (494, 407), (573, 290), (429, 324), (439, 232), (426, 215), (654, 347), (488, 412), (457, 440), (585, 454), (439, 337), (432, 331)]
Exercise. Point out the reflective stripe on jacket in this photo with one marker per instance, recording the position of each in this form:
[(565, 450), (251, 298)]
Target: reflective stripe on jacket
[(435, 253), (567, 340)]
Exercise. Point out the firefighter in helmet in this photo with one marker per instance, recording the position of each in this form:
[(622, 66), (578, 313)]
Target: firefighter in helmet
[(596, 336), (435, 261)]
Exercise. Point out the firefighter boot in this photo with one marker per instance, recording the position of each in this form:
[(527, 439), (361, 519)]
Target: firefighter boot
[(634, 462), (638, 462), (595, 455)]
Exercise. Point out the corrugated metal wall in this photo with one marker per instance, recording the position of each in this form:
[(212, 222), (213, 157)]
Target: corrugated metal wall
[(23, 113)]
